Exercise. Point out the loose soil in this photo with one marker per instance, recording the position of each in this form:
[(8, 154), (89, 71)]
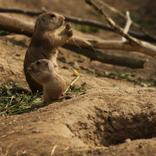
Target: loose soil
[(111, 117)]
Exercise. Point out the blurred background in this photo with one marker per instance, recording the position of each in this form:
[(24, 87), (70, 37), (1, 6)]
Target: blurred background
[(142, 11)]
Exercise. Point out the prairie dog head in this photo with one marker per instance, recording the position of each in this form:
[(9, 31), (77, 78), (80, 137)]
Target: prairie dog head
[(49, 21), (41, 70)]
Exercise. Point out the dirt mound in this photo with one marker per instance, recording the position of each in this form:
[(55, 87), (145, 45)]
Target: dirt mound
[(111, 117), (136, 148), (107, 114), (102, 118)]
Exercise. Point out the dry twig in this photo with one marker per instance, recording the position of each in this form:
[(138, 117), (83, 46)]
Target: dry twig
[(116, 11), (110, 21), (53, 150), (133, 41), (72, 83), (128, 25)]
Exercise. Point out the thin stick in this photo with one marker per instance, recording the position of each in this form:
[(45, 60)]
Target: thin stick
[(133, 41), (128, 25), (115, 10), (53, 150), (112, 9), (110, 21), (72, 83)]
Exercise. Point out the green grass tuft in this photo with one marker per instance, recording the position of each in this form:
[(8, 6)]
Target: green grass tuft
[(128, 77), (15, 99), (78, 89), (3, 33), (86, 28)]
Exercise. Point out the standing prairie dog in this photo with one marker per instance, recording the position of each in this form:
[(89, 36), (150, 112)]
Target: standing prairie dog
[(50, 32), (44, 73)]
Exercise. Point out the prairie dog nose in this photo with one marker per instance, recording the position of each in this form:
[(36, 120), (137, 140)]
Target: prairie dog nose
[(62, 18)]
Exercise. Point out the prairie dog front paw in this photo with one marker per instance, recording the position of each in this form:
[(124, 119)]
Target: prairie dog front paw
[(68, 30)]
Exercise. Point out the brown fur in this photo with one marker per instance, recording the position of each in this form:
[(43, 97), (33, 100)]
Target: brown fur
[(50, 32), (44, 72)]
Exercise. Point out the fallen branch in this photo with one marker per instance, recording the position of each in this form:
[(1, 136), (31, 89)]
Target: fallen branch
[(116, 11), (15, 25), (21, 11), (84, 46), (133, 41), (116, 28), (101, 56), (143, 36)]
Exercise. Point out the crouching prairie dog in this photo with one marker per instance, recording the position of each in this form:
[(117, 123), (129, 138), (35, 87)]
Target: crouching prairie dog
[(44, 73), (50, 32)]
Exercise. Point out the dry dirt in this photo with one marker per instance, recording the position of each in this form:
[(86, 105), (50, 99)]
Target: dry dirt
[(113, 117)]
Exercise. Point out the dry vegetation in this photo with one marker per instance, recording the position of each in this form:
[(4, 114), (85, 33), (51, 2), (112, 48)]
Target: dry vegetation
[(110, 110)]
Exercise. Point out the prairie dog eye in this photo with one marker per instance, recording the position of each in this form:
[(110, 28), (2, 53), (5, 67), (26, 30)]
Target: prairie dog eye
[(52, 15), (45, 64), (38, 63)]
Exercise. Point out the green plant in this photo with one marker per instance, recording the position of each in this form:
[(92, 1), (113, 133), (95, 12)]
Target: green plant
[(128, 77), (15, 99), (3, 33), (86, 28)]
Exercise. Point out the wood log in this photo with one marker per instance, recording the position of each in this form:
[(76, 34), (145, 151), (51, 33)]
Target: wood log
[(15, 25), (83, 45), (100, 55)]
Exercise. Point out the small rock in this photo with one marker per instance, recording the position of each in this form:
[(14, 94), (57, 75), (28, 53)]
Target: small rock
[(128, 140)]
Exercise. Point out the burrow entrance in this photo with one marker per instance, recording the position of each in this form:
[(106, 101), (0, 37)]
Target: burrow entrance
[(110, 128)]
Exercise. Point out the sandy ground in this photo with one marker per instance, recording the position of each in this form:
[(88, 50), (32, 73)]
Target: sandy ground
[(113, 117)]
